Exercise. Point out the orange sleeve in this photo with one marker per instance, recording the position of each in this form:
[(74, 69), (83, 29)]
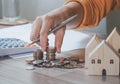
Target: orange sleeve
[(95, 10)]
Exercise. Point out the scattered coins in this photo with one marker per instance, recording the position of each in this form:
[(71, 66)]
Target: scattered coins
[(30, 68), (37, 62), (51, 61)]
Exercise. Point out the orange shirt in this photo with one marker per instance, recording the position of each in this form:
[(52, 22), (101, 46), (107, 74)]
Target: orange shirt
[(95, 10)]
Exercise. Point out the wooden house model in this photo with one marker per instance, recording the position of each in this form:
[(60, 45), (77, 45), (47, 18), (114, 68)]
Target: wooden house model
[(104, 59)]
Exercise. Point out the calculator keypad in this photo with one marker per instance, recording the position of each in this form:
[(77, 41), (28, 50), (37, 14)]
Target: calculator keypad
[(11, 43)]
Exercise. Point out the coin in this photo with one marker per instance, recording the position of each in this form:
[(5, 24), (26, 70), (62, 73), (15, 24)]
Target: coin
[(39, 54), (29, 60), (30, 68), (35, 55), (37, 62)]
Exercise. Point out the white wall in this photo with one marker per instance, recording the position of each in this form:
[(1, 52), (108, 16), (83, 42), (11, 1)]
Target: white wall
[(33, 8)]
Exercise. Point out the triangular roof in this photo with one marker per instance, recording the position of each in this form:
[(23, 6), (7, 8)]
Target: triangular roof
[(113, 35), (103, 46), (114, 39), (92, 43)]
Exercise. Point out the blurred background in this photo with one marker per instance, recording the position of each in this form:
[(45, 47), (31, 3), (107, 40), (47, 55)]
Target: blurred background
[(30, 9)]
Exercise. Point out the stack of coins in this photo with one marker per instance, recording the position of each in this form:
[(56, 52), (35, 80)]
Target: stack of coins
[(50, 55), (38, 54)]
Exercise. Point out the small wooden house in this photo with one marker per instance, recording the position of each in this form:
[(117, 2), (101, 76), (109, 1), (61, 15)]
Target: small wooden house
[(103, 61)]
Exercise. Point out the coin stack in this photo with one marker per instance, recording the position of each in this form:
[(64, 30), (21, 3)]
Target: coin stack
[(50, 55), (38, 54)]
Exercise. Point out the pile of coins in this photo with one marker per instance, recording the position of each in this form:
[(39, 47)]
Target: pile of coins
[(51, 61), (69, 63), (50, 53), (37, 57), (38, 54)]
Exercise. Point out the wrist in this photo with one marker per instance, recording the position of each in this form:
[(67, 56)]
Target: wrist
[(73, 8)]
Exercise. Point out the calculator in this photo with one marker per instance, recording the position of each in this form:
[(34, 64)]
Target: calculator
[(11, 43), (11, 46)]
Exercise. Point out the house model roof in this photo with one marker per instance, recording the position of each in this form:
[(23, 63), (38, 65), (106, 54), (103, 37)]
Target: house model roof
[(114, 40), (104, 49), (92, 44)]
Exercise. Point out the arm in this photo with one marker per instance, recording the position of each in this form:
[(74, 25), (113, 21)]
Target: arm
[(43, 24), (95, 10), (90, 12)]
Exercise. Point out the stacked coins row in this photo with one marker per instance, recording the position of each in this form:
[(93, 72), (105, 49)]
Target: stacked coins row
[(38, 54), (51, 53)]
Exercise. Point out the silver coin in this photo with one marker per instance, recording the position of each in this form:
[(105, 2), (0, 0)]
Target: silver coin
[(30, 68)]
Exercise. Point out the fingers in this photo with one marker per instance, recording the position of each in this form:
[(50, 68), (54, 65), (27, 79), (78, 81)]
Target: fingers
[(40, 29), (46, 26), (36, 27), (59, 35)]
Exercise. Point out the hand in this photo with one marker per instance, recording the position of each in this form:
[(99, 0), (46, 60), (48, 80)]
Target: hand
[(41, 27), (43, 24)]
